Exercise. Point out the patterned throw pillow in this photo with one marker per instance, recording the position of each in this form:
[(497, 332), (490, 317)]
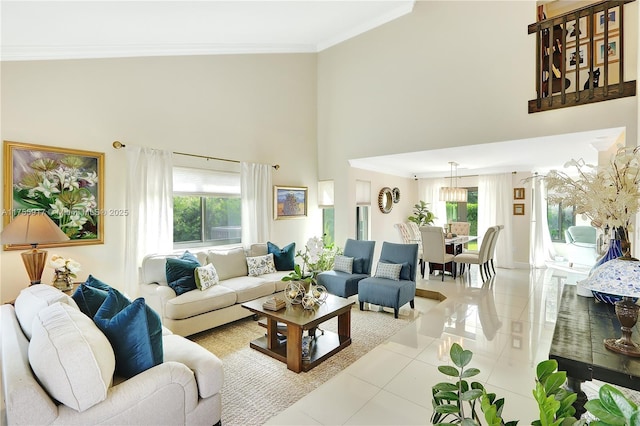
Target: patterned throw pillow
[(206, 276), (343, 263), (260, 265), (390, 271)]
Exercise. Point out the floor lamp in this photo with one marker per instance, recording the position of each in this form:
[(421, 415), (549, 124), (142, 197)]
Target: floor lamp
[(32, 228)]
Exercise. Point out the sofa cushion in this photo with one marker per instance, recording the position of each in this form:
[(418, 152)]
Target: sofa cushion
[(343, 264), (229, 264), (260, 265), (71, 357), (249, 288), (181, 273), (33, 299), (195, 303), (134, 331), (258, 249), (206, 276), (276, 279), (283, 257), (390, 271), (154, 268), (89, 299)]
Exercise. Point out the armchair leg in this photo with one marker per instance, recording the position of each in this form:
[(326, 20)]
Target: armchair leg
[(362, 306), (412, 304), (395, 312)]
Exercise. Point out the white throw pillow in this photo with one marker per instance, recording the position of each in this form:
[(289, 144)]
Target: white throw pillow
[(390, 271), (206, 276), (260, 265), (229, 264), (35, 298), (71, 357), (343, 263)]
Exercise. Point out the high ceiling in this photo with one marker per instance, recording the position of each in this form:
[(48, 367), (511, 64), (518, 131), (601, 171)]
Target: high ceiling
[(37, 30)]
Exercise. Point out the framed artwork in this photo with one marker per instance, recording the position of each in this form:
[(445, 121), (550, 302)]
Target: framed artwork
[(518, 209), (612, 50), (576, 28), (581, 59), (614, 20), (67, 184), (289, 202), (518, 193)]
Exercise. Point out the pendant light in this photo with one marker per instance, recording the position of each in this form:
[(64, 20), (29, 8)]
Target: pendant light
[(452, 192)]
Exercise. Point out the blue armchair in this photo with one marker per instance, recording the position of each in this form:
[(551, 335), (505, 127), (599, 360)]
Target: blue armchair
[(345, 284), (392, 291)]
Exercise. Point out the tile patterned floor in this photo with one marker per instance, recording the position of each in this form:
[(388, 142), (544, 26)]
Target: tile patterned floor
[(508, 323)]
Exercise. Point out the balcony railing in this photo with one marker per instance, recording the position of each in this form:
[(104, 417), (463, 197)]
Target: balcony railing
[(580, 57)]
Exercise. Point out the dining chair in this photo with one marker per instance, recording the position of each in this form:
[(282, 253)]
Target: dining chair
[(492, 249), (417, 238), (434, 251), (394, 282), (460, 228), (480, 257)]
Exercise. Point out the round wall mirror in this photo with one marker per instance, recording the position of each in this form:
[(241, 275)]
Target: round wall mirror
[(385, 200)]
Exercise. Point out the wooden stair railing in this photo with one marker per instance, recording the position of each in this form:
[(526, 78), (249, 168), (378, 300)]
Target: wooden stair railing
[(551, 59)]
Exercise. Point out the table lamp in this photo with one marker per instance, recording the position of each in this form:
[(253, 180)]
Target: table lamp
[(621, 278), (32, 227)]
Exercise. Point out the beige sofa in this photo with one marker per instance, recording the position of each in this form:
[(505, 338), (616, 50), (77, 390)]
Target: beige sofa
[(197, 310), (57, 368)]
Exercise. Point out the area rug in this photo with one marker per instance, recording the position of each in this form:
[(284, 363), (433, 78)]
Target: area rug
[(258, 387)]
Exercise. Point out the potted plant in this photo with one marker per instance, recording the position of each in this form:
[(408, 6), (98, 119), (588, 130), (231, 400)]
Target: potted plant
[(422, 216)]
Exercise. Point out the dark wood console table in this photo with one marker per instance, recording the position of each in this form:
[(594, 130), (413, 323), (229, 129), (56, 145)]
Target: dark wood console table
[(577, 345)]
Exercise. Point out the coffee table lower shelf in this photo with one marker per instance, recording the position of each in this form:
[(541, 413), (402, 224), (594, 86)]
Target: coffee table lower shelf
[(321, 347)]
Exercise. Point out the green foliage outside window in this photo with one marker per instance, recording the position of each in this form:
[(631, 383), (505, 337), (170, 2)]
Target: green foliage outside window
[(215, 220)]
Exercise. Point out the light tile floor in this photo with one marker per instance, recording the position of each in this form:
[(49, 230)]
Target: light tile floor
[(508, 323)]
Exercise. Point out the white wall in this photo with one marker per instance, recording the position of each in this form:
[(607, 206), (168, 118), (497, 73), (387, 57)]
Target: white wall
[(448, 74), (259, 108)]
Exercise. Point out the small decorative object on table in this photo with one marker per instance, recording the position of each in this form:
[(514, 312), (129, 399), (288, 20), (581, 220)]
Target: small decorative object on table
[(274, 304), (65, 271)]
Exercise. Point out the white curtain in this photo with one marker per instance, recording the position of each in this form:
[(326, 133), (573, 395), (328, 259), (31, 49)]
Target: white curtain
[(149, 225), (255, 187), (429, 192), (495, 208), (541, 246)]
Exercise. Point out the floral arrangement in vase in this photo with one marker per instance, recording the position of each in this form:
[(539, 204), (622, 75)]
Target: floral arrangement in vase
[(608, 195), (316, 258), (65, 269)]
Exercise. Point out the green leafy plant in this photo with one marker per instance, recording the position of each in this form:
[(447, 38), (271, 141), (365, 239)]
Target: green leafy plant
[(457, 403), (317, 257), (613, 408), (421, 214), (554, 402)]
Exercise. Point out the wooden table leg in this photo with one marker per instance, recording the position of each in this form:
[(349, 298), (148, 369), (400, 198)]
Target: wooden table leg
[(344, 324), (272, 333), (294, 348)]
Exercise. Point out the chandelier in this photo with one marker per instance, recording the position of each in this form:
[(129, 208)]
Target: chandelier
[(451, 192)]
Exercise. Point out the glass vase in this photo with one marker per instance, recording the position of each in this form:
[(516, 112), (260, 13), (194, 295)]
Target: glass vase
[(62, 281)]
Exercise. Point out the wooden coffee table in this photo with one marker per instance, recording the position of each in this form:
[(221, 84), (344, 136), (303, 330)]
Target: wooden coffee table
[(297, 319)]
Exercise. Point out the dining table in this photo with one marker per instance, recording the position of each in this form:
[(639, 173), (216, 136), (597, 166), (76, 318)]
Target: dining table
[(455, 245)]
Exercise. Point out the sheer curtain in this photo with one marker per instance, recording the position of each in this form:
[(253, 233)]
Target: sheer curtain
[(494, 208), (149, 225), (541, 246), (429, 192), (255, 187)]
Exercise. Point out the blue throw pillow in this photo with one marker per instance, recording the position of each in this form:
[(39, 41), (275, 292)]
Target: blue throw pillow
[(89, 299), (134, 331), (358, 265), (181, 273), (96, 283), (283, 257), (405, 272)]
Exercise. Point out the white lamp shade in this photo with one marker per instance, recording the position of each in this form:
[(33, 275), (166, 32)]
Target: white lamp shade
[(618, 277), (325, 193), (32, 228), (363, 192), (449, 193)]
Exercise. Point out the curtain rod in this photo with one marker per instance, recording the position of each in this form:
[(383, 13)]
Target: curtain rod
[(119, 145)]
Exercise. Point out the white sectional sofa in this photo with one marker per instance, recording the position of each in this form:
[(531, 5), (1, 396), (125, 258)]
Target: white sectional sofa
[(68, 375), (197, 310)]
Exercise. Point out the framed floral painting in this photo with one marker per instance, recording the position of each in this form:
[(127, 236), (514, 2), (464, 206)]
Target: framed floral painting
[(67, 184)]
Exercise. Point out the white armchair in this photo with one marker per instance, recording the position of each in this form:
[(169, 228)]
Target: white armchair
[(581, 245)]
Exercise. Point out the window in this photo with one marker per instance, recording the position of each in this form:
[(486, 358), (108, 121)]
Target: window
[(560, 218), (328, 232), (465, 211), (362, 222), (206, 207)]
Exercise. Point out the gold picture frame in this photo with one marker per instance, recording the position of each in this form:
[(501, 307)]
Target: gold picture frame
[(518, 209), (67, 184), (290, 202), (518, 193)]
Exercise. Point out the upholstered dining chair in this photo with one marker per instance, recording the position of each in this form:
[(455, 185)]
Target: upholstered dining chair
[(492, 248), (349, 268), (460, 228), (434, 250), (394, 283), (480, 257), (417, 238)]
